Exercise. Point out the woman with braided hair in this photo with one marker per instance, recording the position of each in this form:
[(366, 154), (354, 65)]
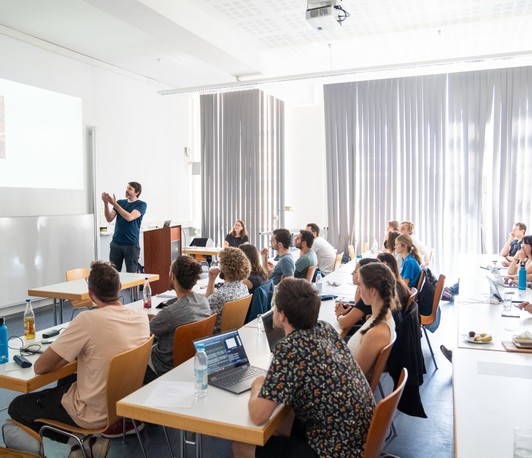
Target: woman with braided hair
[(377, 288)]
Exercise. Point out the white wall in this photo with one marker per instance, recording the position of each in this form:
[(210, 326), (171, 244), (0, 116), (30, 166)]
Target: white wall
[(140, 135)]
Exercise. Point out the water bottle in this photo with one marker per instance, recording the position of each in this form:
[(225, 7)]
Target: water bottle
[(146, 294), (522, 277), (200, 372), (319, 282), (375, 247), (29, 321), (4, 350)]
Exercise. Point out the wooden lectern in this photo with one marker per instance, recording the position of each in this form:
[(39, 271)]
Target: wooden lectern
[(161, 247)]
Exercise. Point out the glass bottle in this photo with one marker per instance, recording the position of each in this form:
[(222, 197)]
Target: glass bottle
[(146, 294), (29, 321)]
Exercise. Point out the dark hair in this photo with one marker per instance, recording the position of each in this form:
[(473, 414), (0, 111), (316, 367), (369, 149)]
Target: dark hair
[(380, 277), (137, 187), (391, 262), (234, 264), (389, 243), (366, 261), (243, 232), (527, 239), (253, 256), (283, 237), (314, 228), (522, 226), (407, 241), (299, 301), (307, 237), (394, 224), (104, 281), (186, 271)]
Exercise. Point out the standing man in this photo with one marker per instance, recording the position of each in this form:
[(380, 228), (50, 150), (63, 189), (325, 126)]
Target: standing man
[(513, 244), (324, 250), (313, 372), (92, 339), (280, 241), (304, 241), (128, 212)]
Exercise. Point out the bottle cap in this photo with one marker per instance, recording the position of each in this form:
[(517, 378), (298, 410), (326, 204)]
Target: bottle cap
[(2, 320), (200, 346)]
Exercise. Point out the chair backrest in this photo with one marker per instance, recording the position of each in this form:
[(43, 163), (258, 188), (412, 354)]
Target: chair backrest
[(338, 261), (76, 274), (234, 313), (382, 419), (428, 256), (380, 364), (438, 291), (421, 280), (261, 301), (184, 335), (411, 298), (310, 273), (126, 374), (351, 252)]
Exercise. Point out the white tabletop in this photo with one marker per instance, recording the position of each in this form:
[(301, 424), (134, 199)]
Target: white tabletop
[(492, 394)]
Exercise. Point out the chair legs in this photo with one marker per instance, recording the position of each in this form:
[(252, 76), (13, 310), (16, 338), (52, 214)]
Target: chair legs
[(393, 431), (65, 433), (430, 347)]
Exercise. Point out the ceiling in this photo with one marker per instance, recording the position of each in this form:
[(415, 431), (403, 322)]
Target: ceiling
[(192, 43)]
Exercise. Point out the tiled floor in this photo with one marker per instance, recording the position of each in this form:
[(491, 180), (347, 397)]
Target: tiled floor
[(417, 438)]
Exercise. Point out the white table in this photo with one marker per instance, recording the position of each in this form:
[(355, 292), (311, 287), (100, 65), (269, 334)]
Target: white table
[(492, 394)]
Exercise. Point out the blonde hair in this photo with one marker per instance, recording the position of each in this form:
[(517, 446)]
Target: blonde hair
[(406, 240)]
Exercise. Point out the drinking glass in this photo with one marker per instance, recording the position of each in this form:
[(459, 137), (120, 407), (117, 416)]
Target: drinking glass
[(260, 323), (507, 298)]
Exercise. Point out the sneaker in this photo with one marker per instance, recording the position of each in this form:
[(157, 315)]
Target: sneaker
[(100, 447), (447, 353), (75, 451), (115, 430)]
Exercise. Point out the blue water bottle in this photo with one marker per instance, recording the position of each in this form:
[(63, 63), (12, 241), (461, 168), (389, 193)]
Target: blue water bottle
[(522, 277), (4, 350)]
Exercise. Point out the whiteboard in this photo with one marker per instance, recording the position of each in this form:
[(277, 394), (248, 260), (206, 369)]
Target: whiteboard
[(37, 251)]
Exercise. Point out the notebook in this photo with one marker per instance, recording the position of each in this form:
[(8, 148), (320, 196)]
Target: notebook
[(274, 335), (228, 363)]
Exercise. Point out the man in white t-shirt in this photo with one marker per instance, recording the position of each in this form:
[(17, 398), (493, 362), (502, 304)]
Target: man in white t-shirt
[(324, 250), (93, 338)]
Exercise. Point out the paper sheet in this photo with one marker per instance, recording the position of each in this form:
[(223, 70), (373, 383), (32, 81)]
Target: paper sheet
[(171, 395)]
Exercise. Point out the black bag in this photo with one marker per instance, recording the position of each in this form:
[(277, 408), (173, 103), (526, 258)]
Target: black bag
[(425, 297)]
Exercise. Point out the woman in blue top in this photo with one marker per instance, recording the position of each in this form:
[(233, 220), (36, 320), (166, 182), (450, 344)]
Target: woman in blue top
[(411, 268)]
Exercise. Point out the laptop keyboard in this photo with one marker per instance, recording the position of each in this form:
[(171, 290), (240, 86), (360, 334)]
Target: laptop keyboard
[(239, 376)]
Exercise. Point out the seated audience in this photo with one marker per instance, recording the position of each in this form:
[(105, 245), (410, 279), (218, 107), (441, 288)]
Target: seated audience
[(411, 268), (92, 339), (258, 275), (325, 252), (377, 287), (234, 268), (348, 315), (313, 372), (403, 291), (408, 228), (304, 241), (523, 256), (513, 244), (389, 246), (392, 226), (187, 307), (238, 236), (280, 241)]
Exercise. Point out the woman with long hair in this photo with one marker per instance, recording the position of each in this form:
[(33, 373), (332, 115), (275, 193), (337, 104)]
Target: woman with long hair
[(403, 291), (524, 255), (258, 275), (377, 288), (238, 235), (411, 268)]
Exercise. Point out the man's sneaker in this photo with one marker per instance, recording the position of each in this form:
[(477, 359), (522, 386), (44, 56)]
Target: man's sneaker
[(115, 430), (447, 353)]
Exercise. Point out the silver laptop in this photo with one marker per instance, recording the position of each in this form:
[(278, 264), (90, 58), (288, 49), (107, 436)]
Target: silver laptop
[(228, 363), (499, 280), (274, 335), (518, 295)]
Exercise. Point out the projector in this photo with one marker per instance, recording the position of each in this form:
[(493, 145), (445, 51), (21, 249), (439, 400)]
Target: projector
[(322, 15)]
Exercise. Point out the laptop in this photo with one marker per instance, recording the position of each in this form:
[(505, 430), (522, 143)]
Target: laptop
[(228, 363), (519, 295), (499, 280), (167, 223), (274, 335)]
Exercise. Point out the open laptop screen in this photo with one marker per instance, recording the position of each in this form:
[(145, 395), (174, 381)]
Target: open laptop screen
[(224, 351)]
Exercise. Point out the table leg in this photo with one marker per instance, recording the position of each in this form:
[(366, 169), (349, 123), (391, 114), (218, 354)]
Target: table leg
[(61, 310), (55, 311), (181, 443)]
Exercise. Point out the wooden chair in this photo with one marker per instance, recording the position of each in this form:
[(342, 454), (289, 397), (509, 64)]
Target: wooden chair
[(184, 335), (426, 320), (338, 261), (421, 281), (78, 274), (411, 298), (351, 252), (126, 374), (382, 419), (234, 313), (310, 273)]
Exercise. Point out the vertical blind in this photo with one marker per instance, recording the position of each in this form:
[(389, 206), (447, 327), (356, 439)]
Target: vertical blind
[(449, 152), (242, 152)]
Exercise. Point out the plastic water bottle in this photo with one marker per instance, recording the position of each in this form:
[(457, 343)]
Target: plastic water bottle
[(375, 247), (4, 350), (319, 282), (29, 321), (200, 372), (146, 294), (522, 277)]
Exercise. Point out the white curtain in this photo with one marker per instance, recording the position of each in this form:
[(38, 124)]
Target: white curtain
[(242, 152), (448, 152)]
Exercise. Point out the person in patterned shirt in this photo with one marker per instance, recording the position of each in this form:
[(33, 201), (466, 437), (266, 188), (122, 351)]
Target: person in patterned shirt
[(313, 372)]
